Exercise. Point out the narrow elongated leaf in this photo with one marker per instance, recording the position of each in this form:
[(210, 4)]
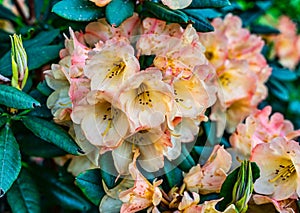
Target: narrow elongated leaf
[(12, 97), (51, 133), (201, 24), (118, 11), (90, 183), (263, 29), (66, 195), (278, 89), (34, 146), (165, 13), (23, 196), (78, 10), (10, 159), (209, 3), (283, 74)]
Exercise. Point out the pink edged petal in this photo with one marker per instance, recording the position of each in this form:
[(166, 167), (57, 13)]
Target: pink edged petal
[(177, 4)]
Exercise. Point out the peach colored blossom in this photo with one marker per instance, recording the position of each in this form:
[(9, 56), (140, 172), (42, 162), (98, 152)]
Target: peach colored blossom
[(279, 174), (210, 206), (101, 3), (143, 194), (177, 4), (152, 143), (259, 128), (145, 99), (188, 204), (101, 31), (287, 43), (210, 177), (102, 124), (109, 68), (235, 56), (282, 206)]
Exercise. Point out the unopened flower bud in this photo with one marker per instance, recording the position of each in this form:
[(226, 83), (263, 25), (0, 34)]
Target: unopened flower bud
[(243, 188), (19, 62)]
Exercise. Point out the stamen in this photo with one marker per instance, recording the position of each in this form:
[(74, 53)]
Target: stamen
[(283, 172), (116, 70)]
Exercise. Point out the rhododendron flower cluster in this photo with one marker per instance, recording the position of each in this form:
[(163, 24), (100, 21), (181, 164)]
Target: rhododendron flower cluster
[(109, 102), (287, 43), (241, 70)]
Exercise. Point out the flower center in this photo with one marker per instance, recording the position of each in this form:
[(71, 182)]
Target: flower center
[(116, 69), (225, 80), (144, 96), (283, 172), (107, 117), (209, 55)]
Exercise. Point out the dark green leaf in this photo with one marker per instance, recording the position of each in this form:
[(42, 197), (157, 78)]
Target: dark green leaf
[(146, 61), (51, 133), (278, 89), (185, 161), (78, 10), (12, 97), (173, 174), (165, 13), (118, 11), (90, 183), (34, 146), (23, 196), (201, 24), (44, 88), (66, 195), (263, 29), (294, 107), (10, 159), (283, 74), (38, 56), (209, 3), (227, 187), (41, 39), (3, 120), (108, 171), (255, 171), (207, 13)]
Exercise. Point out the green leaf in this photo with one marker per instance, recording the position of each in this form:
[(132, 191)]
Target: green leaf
[(173, 174), (207, 13), (66, 195), (78, 10), (255, 171), (34, 146), (37, 56), (23, 196), (118, 11), (51, 133), (201, 24), (10, 159), (41, 39), (278, 89), (165, 13), (209, 3), (12, 97), (108, 171), (283, 74), (3, 120), (90, 183), (43, 88), (263, 29)]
